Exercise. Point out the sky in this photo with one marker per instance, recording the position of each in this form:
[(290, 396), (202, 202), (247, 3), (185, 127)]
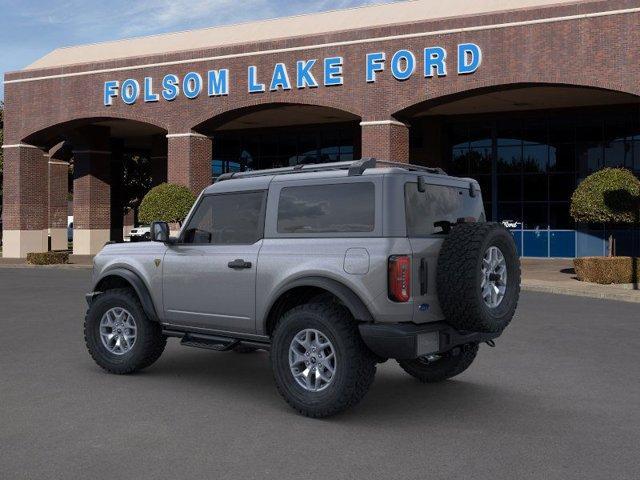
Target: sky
[(30, 29)]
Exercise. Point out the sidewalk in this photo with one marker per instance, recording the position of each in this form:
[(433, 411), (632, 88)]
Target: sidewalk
[(558, 276), (75, 261)]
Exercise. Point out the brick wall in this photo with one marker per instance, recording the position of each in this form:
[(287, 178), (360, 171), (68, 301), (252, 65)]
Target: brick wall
[(58, 188), (25, 194), (591, 52), (189, 161)]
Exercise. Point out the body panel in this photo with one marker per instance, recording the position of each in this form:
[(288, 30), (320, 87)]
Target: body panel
[(201, 290), (284, 260), (139, 258)]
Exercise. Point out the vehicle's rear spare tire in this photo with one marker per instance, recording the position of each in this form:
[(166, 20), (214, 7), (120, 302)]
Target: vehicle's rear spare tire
[(478, 277)]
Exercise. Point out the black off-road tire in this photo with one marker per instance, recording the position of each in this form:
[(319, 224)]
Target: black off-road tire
[(459, 277), (355, 364), (447, 366), (149, 344)]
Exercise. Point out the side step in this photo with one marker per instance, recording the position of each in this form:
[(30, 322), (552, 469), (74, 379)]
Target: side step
[(210, 342), (213, 342)]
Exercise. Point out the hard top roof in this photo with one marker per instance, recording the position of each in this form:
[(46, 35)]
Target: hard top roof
[(260, 179)]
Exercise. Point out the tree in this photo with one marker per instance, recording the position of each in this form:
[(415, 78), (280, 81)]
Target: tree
[(609, 196), (136, 182), (167, 202)]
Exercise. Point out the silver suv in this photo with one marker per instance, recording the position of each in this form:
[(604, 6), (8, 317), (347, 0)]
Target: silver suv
[(333, 268)]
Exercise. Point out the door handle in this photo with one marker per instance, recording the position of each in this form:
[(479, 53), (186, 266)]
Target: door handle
[(238, 264)]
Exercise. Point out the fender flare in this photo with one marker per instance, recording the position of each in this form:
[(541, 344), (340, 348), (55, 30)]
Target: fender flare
[(347, 296), (138, 285)]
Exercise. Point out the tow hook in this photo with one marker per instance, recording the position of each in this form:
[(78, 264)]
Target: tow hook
[(491, 343)]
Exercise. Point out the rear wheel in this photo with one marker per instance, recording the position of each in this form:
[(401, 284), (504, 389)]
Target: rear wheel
[(320, 364), (119, 336), (436, 368)]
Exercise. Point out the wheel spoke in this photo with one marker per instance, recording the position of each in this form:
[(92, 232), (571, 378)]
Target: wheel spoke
[(330, 367), (307, 380), (324, 376), (296, 358)]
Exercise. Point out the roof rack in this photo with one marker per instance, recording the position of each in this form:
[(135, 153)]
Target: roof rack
[(355, 167)]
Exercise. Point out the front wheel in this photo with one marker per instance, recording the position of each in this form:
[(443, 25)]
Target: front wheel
[(119, 336), (436, 368), (320, 364)]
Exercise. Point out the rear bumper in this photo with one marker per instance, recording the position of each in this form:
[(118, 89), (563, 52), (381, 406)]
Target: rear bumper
[(405, 341)]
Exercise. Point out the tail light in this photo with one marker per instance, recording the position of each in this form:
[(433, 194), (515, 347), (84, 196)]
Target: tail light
[(399, 278)]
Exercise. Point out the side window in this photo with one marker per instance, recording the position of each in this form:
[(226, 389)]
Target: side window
[(425, 209), (338, 208), (228, 219)]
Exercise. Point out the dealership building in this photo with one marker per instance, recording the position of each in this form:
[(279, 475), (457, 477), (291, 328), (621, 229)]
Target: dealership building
[(527, 96)]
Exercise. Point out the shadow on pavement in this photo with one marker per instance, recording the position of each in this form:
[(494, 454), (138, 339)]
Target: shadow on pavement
[(395, 398)]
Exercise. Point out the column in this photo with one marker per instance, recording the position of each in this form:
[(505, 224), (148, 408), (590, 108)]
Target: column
[(117, 190), (91, 190), (91, 200), (58, 190), (158, 160), (25, 200), (385, 140), (189, 160)]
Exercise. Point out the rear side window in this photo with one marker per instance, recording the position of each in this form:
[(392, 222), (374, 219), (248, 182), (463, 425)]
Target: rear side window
[(229, 219), (338, 208), (425, 209)]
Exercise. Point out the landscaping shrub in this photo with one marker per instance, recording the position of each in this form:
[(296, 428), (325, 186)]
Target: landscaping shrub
[(609, 195), (606, 270), (48, 258), (167, 202)]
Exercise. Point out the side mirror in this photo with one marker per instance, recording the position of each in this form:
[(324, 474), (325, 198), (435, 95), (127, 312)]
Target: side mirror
[(160, 232)]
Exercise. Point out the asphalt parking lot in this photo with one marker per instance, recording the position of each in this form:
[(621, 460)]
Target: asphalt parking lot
[(557, 398)]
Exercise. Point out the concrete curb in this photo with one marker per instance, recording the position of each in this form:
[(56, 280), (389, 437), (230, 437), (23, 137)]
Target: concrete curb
[(603, 292)]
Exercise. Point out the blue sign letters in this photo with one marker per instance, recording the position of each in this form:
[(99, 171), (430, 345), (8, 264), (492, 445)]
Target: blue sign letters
[(431, 62)]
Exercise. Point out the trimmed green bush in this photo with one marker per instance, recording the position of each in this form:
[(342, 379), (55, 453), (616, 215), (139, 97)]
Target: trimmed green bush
[(167, 202), (607, 270), (609, 195), (48, 258)]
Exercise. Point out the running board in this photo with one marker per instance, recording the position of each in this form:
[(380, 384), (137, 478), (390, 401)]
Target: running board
[(212, 342)]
